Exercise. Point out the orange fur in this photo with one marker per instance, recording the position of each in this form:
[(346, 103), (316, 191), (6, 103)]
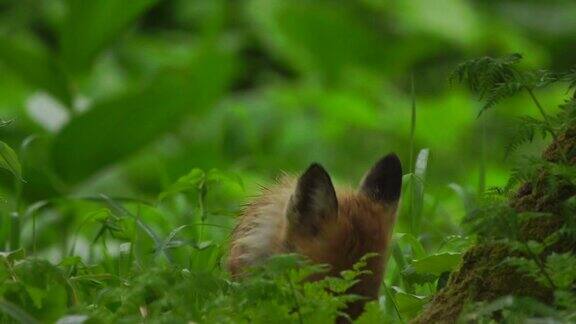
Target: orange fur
[(362, 226)]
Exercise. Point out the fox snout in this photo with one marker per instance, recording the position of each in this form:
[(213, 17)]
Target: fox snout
[(310, 216)]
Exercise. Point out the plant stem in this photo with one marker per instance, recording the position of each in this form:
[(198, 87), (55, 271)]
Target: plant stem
[(391, 298), (482, 171), (542, 112), (412, 153)]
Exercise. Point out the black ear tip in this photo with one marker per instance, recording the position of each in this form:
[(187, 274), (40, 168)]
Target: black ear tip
[(313, 175), (315, 166), (392, 163), (384, 181), (315, 169)]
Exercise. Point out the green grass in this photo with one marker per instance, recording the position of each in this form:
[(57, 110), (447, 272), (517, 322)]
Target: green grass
[(132, 260)]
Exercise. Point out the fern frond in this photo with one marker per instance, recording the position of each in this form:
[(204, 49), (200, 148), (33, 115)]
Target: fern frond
[(495, 79), (524, 173), (570, 77), (482, 74), (500, 92), (527, 129), (566, 118), (494, 218)]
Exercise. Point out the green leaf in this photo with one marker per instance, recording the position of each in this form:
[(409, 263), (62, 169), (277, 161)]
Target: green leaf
[(413, 200), (116, 128), (408, 239), (91, 25), (411, 276), (35, 65), (408, 304), (9, 160), (373, 313), (453, 20), (37, 295), (191, 181), (437, 263), (318, 37), (216, 176)]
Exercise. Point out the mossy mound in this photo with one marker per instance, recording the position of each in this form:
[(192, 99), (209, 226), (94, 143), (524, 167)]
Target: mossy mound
[(482, 275)]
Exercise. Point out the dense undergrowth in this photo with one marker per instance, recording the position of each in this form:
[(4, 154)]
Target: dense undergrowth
[(161, 261), (132, 132), (523, 266)]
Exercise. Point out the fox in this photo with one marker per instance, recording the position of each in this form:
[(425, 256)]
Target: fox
[(307, 215)]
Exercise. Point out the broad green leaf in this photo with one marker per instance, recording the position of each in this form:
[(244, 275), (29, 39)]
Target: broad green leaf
[(35, 65), (408, 304), (317, 37), (216, 176), (409, 239), (413, 277), (118, 127), (454, 20), (437, 263), (91, 25), (9, 160)]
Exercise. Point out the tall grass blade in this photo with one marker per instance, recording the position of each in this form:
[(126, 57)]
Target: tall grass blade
[(417, 182), (19, 315), (122, 211)]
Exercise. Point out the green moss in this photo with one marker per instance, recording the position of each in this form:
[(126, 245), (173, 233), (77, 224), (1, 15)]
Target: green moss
[(482, 275), (563, 148)]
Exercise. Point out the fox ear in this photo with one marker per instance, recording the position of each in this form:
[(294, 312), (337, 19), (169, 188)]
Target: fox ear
[(313, 201), (383, 182)]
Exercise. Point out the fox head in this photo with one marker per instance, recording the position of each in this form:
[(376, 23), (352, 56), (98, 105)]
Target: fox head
[(339, 229)]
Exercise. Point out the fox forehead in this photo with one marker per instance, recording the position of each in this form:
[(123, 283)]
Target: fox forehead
[(361, 227)]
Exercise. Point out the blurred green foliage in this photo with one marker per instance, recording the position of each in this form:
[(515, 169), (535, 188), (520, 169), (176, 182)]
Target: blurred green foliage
[(133, 99)]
